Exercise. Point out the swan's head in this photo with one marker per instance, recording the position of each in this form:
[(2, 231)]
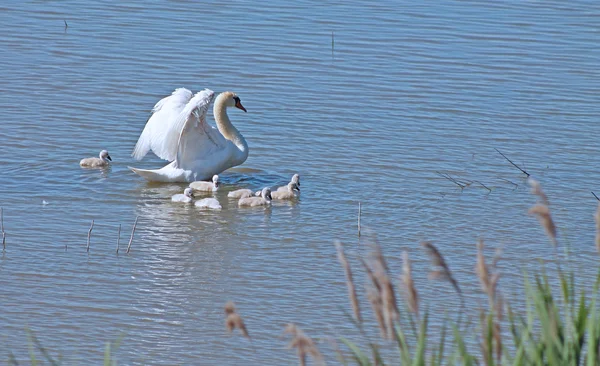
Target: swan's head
[(266, 193), (188, 192), (296, 179), (232, 100), (104, 155), (215, 180), (293, 186)]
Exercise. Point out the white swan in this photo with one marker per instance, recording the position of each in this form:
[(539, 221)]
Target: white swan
[(100, 162), (240, 193), (288, 194), (263, 200), (295, 179), (178, 132), (206, 186), (186, 197), (210, 203)]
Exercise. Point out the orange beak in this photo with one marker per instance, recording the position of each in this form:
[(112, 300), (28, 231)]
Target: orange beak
[(240, 106)]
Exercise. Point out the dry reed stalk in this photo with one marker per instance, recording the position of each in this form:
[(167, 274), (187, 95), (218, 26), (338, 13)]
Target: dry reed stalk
[(304, 344), (542, 212), (482, 270), (89, 235), (118, 238), (388, 297), (349, 282), (132, 232), (233, 320), (489, 281), (536, 189), (441, 271), (374, 297), (597, 218), (229, 307), (412, 297), (377, 306)]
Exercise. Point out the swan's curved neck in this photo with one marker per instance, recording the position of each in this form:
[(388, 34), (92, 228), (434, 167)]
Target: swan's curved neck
[(226, 128)]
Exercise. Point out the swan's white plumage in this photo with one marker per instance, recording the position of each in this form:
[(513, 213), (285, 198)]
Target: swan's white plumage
[(163, 128), (240, 193), (263, 200), (210, 203), (202, 150)]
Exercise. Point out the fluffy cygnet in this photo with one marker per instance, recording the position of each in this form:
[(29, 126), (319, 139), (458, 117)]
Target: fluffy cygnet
[(186, 197), (240, 193), (100, 162), (263, 200), (295, 179), (288, 194), (208, 203), (206, 186)]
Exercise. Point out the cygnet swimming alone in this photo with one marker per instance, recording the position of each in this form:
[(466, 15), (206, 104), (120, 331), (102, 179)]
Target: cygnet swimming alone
[(203, 186), (288, 194), (100, 162), (263, 200), (295, 179), (186, 197), (240, 193), (209, 203)]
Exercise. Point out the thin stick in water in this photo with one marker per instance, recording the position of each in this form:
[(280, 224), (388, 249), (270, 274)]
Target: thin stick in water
[(89, 235), (592, 193), (118, 238), (3, 233), (332, 43), (510, 161), (132, 232), (359, 212)]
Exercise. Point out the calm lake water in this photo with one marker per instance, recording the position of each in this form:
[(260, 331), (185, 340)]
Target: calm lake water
[(404, 91)]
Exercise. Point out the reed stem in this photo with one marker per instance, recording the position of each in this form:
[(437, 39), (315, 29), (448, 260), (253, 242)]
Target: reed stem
[(132, 232), (89, 235)]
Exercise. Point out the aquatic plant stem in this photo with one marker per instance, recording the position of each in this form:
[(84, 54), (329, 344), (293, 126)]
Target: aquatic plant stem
[(132, 232), (89, 235)]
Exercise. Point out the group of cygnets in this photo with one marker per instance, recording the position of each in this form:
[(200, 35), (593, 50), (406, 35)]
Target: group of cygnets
[(246, 197)]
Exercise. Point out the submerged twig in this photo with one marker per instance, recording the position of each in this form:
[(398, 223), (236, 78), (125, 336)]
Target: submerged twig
[(484, 186), (447, 176), (596, 196), (3, 233), (510, 161), (89, 235), (332, 43), (359, 213), (132, 232), (118, 238)]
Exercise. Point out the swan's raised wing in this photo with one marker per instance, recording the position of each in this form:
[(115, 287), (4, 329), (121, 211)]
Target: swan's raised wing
[(163, 128), (198, 140)]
